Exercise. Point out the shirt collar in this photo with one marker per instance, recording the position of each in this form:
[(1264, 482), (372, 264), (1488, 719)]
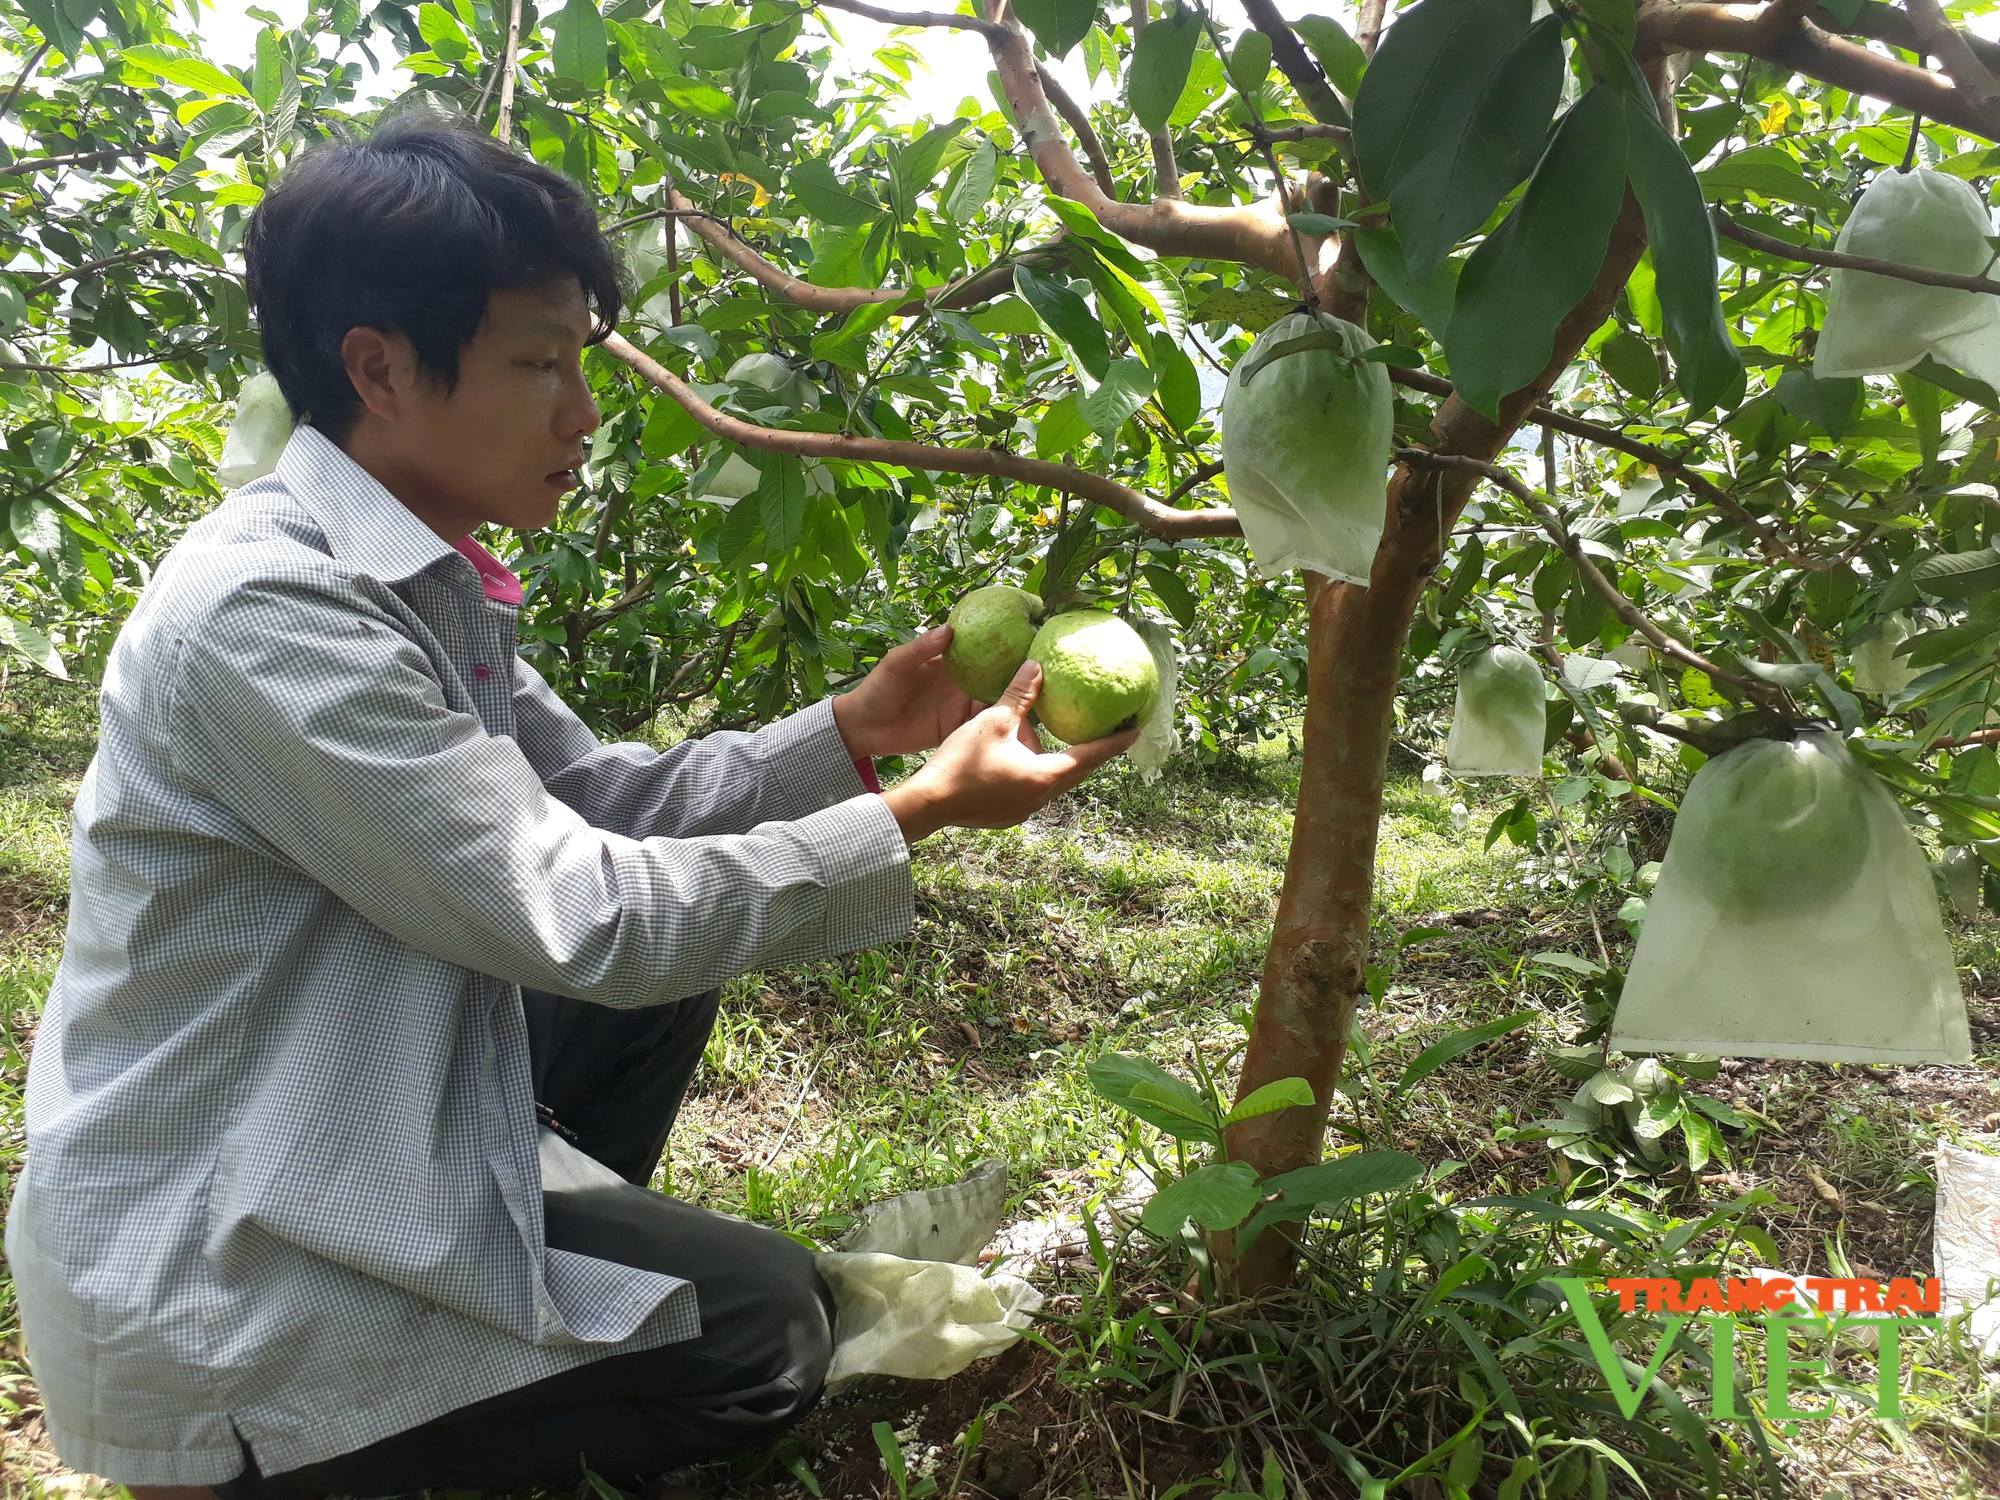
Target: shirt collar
[(365, 525)]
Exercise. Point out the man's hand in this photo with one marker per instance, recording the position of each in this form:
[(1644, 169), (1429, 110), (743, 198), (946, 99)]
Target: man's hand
[(909, 701), (991, 772)]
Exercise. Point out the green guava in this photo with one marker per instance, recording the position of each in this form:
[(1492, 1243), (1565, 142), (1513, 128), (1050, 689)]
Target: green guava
[(991, 629), (1774, 827), (1097, 675)]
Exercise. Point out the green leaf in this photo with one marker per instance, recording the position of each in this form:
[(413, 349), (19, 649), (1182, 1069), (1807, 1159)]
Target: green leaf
[(1117, 1078), (267, 78), (1121, 393), (1830, 405), (1250, 62), (189, 72), (975, 183), (1250, 310), (1706, 366), (580, 53), (1526, 276), (1925, 411), (1428, 76), (1957, 575), (1068, 317), (1439, 199), (828, 199), (1960, 385), (1171, 590), (1284, 1093), (1429, 302), (1057, 24), (706, 100), (1770, 172), (781, 500), (1179, 388), (186, 246), (1318, 223), (1629, 360), (669, 430), (440, 30), (1215, 1197), (918, 162), (1160, 62), (1061, 428), (1130, 301), (23, 640), (1361, 1175), (1456, 1044), (1337, 52)]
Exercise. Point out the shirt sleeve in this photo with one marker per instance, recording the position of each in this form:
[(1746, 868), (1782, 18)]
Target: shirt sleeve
[(301, 706), (723, 782)]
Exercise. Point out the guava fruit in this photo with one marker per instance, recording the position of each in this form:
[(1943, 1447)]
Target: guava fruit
[(1775, 827), (1305, 448), (262, 427), (1097, 675), (991, 629)]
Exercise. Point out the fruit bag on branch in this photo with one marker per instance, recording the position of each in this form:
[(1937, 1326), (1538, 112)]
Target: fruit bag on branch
[(1795, 917), (1883, 325), (1501, 718), (1305, 447)]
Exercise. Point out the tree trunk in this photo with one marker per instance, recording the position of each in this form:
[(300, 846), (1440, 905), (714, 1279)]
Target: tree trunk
[(1315, 968)]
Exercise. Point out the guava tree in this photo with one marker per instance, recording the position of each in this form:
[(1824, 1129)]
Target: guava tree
[(871, 365)]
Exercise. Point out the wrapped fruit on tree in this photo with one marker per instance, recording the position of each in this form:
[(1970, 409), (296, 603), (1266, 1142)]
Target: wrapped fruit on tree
[(1501, 717), (1795, 917), (262, 427)]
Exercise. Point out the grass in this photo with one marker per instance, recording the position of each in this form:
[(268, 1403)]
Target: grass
[(1134, 918)]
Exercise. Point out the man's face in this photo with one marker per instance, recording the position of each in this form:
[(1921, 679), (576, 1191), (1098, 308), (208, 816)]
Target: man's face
[(504, 442)]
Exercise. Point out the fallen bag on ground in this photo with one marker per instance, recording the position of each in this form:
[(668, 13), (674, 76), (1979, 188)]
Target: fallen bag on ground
[(1501, 717), (262, 427), (952, 1223), (1794, 917), (919, 1319), (1965, 1244), (1305, 448), (1882, 325)]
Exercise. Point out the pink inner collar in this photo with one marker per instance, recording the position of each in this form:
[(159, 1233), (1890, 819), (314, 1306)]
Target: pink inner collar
[(500, 585)]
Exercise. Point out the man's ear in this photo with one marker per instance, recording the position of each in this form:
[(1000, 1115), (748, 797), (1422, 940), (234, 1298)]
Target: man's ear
[(383, 367)]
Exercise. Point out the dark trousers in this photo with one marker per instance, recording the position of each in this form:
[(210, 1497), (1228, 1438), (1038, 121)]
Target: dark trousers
[(616, 1079)]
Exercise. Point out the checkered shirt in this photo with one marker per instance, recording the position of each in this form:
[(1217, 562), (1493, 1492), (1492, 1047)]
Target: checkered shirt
[(281, 1176)]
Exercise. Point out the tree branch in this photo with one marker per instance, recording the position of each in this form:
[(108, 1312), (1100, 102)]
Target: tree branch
[(889, 17), (124, 257), (1810, 255), (722, 650), (1086, 133), (1300, 67), (27, 71), (75, 159), (1628, 612), (1659, 458), (1368, 26), (1886, 23), (1666, 26), (116, 364), (503, 127), (1954, 55), (1135, 507)]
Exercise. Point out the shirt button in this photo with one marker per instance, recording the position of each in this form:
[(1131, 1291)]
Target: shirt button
[(481, 673)]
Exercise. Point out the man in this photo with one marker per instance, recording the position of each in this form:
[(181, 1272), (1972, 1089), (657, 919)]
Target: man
[(355, 895)]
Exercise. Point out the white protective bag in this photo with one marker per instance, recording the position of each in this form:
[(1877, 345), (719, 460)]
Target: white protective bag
[(1882, 325), (1501, 717), (1159, 737), (262, 427), (1794, 917), (1305, 449), (919, 1319), (1877, 667), (1964, 873)]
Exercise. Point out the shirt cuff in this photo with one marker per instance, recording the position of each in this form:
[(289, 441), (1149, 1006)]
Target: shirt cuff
[(810, 760), (863, 866)]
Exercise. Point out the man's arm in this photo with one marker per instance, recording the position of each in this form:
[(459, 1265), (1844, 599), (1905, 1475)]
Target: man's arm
[(304, 709), (723, 782)]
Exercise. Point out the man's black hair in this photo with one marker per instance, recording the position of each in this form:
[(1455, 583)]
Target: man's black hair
[(409, 231)]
